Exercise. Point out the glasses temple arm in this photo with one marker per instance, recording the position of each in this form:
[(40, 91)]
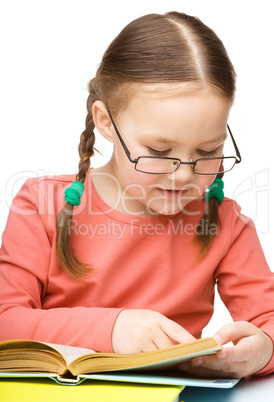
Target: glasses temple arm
[(235, 145), (121, 139)]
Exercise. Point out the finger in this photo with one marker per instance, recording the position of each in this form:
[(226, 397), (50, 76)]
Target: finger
[(205, 372), (162, 340), (148, 346), (238, 353), (214, 365), (225, 359), (174, 331), (234, 331)]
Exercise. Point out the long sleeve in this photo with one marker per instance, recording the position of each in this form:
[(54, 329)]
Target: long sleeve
[(245, 282), (26, 264), (139, 263)]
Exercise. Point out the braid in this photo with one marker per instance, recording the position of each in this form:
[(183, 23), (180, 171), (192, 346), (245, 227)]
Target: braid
[(85, 147), (65, 255), (208, 226)]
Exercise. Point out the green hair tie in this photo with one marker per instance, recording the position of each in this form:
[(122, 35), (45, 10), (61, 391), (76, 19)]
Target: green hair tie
[(216, 190), (74, 193)]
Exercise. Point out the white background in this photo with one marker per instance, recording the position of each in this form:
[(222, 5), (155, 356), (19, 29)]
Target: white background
[(49, 51)]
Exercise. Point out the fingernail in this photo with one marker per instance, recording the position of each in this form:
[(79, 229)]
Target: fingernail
[(222, 355), (198, 362), (218, 338)]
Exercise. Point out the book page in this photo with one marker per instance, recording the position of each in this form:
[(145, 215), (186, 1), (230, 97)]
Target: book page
[(70, 353), (168, 364), (156, 359)]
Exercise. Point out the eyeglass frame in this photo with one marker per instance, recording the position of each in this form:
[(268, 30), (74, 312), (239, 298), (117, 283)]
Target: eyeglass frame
[(193, 163)]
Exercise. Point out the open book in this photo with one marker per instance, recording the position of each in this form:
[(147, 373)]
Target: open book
[(72, 364)]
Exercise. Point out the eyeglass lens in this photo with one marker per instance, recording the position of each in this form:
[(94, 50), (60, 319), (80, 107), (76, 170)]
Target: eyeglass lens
[(211, 165), (202, 166)]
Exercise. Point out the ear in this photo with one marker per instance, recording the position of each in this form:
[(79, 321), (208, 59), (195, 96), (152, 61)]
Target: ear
[(102, 120)]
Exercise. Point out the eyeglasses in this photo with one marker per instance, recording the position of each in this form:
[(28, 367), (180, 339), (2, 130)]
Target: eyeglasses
[(163, 165)]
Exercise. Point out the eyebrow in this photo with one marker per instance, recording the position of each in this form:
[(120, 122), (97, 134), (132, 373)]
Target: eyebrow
[(166, 140), (216, 139), (150, 137)]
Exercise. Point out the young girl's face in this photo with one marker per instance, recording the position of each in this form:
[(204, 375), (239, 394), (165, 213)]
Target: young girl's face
[(186, 126)]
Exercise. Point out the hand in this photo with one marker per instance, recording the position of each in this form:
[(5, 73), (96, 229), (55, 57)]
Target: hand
[(138, 331), (252, 351)]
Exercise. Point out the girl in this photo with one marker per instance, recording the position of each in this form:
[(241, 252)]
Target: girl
[(125, 257)]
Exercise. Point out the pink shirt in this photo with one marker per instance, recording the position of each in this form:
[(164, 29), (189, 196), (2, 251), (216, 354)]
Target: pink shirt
[(139, 263)]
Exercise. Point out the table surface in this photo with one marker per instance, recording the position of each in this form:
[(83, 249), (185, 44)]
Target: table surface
[(252, 389)]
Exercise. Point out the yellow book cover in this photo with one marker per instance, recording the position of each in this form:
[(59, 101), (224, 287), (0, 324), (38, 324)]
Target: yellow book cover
[(45, 391)]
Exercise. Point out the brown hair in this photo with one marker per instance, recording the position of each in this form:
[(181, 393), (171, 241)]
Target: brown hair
[(164, 49)]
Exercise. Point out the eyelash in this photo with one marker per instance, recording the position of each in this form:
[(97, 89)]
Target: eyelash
[(212, 153), (207, 153), (154, 152)]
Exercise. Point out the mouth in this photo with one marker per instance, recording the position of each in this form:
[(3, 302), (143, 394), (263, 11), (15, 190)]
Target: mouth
[(172, 193)]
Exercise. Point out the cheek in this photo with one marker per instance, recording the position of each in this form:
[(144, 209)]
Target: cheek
[(137, 184), (198, 186), (203, 182), (131, 180)]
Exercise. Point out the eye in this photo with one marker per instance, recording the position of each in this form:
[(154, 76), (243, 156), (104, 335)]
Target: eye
[(208, 154), (154, 152)]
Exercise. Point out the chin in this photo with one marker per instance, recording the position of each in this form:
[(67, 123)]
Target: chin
[(169, 208)]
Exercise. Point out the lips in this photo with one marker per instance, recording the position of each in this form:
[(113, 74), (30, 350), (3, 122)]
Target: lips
[(172, 189), (172, 192)]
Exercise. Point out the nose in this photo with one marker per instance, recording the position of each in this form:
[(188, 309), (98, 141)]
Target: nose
[(183, 174)]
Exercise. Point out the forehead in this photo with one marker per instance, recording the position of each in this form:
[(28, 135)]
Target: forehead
[(172, 108)]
